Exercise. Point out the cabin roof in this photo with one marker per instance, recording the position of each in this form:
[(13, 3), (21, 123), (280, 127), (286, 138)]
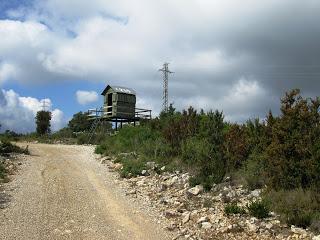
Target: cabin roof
[(119, 89)]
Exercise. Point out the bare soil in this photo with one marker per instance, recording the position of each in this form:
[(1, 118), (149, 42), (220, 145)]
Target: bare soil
[(62, 192)]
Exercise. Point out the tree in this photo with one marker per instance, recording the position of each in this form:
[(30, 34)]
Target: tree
[(43, 122), (294, 152), (79, 122)]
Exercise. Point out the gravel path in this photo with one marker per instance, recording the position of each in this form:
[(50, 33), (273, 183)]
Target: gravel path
[(62, 192)]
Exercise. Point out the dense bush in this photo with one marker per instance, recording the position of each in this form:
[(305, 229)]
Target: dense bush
[(7, 147), (2, 171), (259, 209), (294, 152), (131, 167), (233, 208)]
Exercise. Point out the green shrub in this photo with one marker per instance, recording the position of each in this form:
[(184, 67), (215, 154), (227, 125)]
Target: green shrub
[(233, 208), (236, 147), (82, 139), (315, 224), (131, 167), (2, 171), (99, 149), (293, 154), (296, 207), (259, 209), (195, 150), (254, 171), (7, 147), (205, 180)]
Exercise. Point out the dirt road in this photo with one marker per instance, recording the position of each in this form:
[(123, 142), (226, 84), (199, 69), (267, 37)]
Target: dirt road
[(62, 192)]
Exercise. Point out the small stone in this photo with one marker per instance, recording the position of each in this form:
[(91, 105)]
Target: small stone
[(151, 165), (297, 230), (103, 161), (186, 218), (132, 192), (195, 190), (252, 227), (256, 193), (171, 213), (163, 168), (202, 219), (269, 226), (117, 166), (206, 225), (171, 227), (144, 172)]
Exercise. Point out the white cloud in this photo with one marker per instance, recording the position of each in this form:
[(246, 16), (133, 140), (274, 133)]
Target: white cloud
[(18, 113), (7, 71), (86, 97), (57, 121), (211, 45)]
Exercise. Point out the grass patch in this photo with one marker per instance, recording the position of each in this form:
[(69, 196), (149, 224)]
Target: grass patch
[(297, 207), (259, 209), (2, 171), (233, 208), (7, 147), (131, 167)]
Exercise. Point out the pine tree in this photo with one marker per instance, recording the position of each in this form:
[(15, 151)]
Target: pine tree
[(43, 122)]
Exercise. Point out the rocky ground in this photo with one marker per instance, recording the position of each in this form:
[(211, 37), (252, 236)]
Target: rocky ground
[(11, 163), (191, 213)]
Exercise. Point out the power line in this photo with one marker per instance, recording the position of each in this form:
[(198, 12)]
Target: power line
[(165, 97)]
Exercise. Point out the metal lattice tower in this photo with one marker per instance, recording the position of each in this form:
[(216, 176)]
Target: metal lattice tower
[(44, 105), (165, 97)]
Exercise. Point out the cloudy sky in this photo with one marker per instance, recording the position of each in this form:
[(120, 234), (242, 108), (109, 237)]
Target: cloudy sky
[(236, 56)]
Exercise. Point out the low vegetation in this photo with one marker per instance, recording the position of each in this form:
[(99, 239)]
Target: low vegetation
[(233, 208), (6, 148), (76, 132), (259, 209), (281, 153)]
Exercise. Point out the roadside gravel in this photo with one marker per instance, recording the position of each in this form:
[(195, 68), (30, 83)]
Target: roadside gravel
[(62, 192)]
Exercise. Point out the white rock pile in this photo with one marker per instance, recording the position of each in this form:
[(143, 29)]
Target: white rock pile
[(191, 213)]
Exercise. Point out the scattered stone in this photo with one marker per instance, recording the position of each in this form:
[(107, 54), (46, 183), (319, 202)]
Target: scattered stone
[(103, 161), (297, 230), (206, 225), (203, 219), (151, 165), (186, 217), (171, 227), (171, 214), (185, 210), (269, 226), (195, 190), (131, 192), (117, 166), (144, 172), (256, 193)]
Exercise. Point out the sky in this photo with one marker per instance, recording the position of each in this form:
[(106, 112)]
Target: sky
[(239, 57)]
